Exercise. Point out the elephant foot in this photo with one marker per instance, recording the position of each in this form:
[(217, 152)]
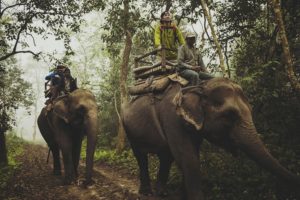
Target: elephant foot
[(161, 190), (85, 183), (68, 181), (146, 190), (56, 172)]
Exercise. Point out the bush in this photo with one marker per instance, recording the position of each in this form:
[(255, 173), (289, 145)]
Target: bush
[(15, 147)]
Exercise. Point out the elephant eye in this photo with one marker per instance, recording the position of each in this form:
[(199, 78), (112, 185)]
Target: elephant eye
[(80, 110), (231, 114), (218, 102)]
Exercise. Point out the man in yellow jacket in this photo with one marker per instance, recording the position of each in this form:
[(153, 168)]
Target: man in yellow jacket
[(167, 34)]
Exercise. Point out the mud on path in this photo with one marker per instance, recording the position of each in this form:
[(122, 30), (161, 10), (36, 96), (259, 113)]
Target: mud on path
[(34, 181)]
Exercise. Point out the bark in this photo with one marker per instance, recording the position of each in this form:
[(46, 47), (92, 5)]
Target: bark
[(36, 106), (123, 77), (285, 45), (35, 122), (3, 151), (168, 5), (213, 32)]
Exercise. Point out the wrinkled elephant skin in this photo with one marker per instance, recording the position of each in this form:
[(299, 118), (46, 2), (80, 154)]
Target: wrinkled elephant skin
[(173, 125), (64, 127)]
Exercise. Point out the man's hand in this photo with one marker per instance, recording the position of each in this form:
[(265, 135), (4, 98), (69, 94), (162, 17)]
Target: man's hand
[(197, 68)]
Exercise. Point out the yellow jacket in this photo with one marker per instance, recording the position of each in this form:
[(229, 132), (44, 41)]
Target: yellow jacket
[(170, 36)]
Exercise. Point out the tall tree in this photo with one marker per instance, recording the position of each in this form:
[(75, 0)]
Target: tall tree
[(285, 45), (124, 72), (214, 35), (90, 58), (38, 87), (123, 21)]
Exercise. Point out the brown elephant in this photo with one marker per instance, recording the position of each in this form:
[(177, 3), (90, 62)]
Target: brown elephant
[(173, 125), (64, 127)]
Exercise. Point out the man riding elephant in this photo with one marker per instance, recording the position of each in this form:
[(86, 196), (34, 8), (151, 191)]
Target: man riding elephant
[(60, 82), (190, 62), (71, 117)]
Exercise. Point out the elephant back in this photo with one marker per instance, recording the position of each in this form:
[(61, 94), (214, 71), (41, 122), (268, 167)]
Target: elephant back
[(155, 85)]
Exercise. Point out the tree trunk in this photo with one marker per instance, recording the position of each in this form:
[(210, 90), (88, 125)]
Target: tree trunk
[(296, 43), (37, 80), (285, 45), (3, 151), (123, 76), (168, 5), (35, 122), (213, 32)]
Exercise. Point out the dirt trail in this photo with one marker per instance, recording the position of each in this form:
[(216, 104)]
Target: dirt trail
[(34, 180)]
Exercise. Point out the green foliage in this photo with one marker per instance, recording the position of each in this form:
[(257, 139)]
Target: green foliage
[(97, 69), (90, 61), (125, 158), (26, 19), (15, 148), (118, 22), (14, 92), (257, 62), (109, 97), (239, 17), (127, 161), (227, 177)]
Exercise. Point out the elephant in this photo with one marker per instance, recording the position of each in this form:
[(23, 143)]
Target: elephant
[(63, 127), (173, 125)]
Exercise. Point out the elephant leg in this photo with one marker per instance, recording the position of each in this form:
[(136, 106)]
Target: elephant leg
[(48, 135), (76, 153), (56, 160), (165, 162), (142, 159), (186, 154), (191, 178), (65, 144), (189, 164)]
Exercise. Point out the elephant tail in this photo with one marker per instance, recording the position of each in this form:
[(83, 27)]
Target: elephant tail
[(48, 155)]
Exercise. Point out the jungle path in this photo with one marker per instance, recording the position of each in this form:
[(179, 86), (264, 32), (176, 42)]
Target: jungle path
[(33, 180)]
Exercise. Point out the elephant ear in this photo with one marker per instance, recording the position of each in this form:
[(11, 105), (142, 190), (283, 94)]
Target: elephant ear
[(189, 107), (61, 109)]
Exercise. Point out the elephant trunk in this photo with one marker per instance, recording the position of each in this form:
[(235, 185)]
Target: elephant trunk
[(247, 139), (91, 123)]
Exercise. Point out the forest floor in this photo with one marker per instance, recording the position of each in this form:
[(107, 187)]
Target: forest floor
[(33, 180)]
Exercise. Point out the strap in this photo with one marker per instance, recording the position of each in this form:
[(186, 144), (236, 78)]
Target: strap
[(164, 27)]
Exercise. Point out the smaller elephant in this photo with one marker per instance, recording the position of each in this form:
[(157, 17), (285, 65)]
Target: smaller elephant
[(63, 128)]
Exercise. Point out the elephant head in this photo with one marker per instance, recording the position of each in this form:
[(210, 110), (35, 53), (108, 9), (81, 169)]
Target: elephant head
[(219, 111), (79, 111)]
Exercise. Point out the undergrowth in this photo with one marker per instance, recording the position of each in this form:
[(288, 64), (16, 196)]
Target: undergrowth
[(126, 160), (14, 148)]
